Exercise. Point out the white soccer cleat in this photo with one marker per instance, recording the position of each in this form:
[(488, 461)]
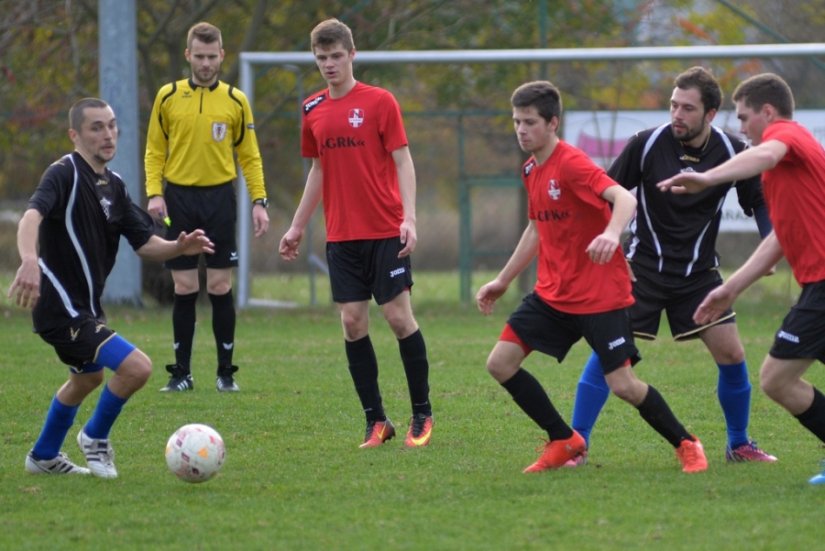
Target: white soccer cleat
[(57, 465), (100, 457)]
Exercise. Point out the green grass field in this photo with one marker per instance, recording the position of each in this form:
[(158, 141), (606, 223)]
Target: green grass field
[(294, 477)]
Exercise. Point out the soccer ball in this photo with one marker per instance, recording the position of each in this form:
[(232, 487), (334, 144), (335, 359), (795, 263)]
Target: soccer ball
[(195, 452)]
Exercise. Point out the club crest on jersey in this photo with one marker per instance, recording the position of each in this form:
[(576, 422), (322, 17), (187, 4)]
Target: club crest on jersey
[(356, 117), (105, 204), (218, 131), (553, 190)]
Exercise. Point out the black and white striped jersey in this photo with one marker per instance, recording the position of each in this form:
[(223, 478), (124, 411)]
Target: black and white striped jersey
[(84, 216), (676, 234)]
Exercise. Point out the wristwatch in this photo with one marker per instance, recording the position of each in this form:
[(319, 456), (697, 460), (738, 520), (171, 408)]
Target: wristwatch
[(264, 202)]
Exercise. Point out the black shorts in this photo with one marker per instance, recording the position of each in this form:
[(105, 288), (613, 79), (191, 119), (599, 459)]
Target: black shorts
[(541, 327), (212, 209), (359, 270), (679, 296), (802, 334), (77, 344)]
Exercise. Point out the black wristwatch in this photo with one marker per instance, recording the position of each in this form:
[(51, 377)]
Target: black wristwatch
[(263, 202)]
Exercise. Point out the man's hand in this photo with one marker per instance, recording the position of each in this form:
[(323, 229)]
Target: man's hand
[(260, 220), (195, 243), (488, 294), (157, 208), (409, 239), (685, 182), (288, 248), (26, 285), (715, 304), (601, 249)]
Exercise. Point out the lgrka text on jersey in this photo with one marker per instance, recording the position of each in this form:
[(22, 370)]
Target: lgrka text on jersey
[(552, 215), (343, 142)]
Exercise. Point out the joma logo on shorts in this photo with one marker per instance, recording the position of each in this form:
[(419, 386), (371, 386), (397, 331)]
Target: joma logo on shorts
[(788, 337), (615, 344), (397, 272)]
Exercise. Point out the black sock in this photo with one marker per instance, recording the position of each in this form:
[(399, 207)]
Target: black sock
[(223, 326), (813, 418), (183, 328), (528, 393), (417, 368), (363, 367), (658, 415)]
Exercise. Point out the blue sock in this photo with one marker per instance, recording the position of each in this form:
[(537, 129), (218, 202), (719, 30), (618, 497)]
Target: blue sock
[(106, 412), (591, 394), (59, 420), (734, 392)]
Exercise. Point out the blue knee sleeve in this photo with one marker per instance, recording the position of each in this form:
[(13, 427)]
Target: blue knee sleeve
[(113, 352)]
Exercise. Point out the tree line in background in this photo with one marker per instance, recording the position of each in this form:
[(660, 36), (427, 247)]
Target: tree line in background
[(49, 54)]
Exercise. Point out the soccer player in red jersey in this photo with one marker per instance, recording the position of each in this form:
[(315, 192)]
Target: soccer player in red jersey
[(672, 253), (583, 286), (792, 164), (363, 171)]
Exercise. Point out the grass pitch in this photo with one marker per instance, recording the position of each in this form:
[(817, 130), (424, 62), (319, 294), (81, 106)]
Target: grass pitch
[(295, 479)]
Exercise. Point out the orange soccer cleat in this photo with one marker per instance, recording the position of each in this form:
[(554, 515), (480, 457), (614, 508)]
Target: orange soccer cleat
[(558, 452), (377, 433)]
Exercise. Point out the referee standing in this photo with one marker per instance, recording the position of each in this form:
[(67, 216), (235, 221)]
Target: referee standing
[(196, 127)]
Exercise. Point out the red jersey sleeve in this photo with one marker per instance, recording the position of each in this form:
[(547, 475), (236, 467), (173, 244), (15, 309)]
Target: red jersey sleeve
[(393, 134)]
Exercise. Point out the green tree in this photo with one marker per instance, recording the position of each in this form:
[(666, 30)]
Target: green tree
[(48, 58)]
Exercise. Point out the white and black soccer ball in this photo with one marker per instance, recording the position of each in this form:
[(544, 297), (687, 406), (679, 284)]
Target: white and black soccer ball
[(195, 452)]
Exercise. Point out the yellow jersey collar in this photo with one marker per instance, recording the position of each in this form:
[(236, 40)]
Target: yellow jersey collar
[(211, 88)]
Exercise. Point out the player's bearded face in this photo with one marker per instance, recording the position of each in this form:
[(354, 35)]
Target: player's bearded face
[(205, 61), (687, 114), (686, 133)]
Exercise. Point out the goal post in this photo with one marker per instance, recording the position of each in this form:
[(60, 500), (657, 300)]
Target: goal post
[(248, 61)]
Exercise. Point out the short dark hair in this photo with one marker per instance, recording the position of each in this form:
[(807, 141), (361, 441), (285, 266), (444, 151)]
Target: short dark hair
[(77, 111), (330, 32), (205, 32), (703, 80), (766, 88), (541, 94)]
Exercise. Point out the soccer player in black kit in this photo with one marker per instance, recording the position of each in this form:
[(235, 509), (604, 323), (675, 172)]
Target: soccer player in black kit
[(672, 252), (68, 239)]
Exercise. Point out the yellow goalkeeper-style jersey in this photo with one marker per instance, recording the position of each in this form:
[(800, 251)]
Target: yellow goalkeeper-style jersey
[(193, 135)]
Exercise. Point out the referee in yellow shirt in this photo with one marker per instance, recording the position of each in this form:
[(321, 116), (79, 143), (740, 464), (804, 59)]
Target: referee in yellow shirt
[(196, 127)]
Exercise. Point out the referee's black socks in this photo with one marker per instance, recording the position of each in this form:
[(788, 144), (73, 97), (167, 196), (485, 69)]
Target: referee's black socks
[(183, 328)]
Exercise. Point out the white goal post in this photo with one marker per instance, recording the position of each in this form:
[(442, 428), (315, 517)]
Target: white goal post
[(248, 61)]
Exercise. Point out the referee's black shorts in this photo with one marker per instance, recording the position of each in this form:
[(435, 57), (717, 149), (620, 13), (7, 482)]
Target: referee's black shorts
[(210, 208)]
